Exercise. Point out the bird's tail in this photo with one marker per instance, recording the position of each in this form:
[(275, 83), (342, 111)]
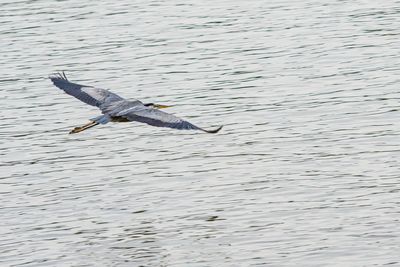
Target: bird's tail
[(102, 119)]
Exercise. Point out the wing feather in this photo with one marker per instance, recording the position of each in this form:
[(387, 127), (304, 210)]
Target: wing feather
[(159, 118), (88, 94), (156, 118)]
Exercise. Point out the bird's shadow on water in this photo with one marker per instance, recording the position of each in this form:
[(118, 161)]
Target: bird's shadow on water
[(139, 244), (137, 241)]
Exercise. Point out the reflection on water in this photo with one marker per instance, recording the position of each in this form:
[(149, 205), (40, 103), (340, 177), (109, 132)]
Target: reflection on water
[(305, 171)]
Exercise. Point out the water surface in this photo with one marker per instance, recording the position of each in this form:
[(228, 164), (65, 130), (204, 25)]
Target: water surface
[(304, 173)]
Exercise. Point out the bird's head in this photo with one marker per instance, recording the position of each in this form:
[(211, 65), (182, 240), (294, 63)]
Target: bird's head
[(158, 106)]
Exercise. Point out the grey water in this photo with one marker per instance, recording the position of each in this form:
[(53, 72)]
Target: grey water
[(305, 171)]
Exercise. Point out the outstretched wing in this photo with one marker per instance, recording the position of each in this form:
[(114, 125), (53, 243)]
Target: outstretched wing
[(159, 118), (90, 95)]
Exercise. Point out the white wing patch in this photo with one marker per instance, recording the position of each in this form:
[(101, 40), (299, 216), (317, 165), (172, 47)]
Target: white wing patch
[(99, 95)]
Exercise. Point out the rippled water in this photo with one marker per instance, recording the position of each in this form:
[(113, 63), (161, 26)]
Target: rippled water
[(305, 171)]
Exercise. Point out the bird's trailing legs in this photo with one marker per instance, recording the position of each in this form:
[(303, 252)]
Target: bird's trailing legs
[(84, 127)]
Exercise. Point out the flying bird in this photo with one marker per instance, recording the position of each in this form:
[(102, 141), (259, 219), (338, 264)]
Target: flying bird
[(117, 109)]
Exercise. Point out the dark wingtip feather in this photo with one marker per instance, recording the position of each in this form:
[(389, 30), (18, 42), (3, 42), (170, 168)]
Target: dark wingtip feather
[(60, 80), (58, 76), (215, 130)]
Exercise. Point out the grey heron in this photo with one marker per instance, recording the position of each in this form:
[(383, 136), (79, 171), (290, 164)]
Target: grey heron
[(117, 109)]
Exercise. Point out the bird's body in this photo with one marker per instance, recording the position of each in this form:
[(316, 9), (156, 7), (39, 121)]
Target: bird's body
[(117, 109)]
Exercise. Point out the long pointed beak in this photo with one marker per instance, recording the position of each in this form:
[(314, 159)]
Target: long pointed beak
[(161, 106)]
